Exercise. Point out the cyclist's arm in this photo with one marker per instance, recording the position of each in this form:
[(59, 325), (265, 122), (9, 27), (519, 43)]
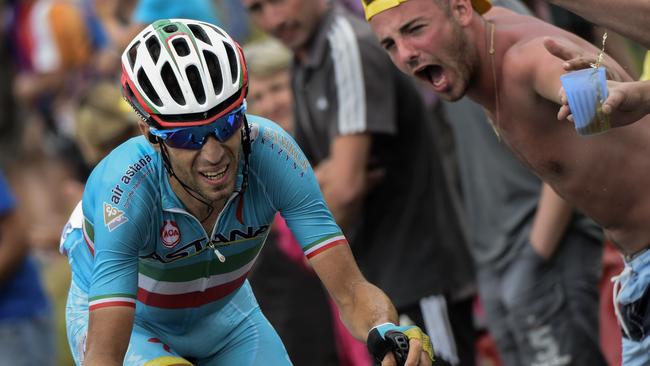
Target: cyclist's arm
[(361, 304), (109, 331), (342, 177)]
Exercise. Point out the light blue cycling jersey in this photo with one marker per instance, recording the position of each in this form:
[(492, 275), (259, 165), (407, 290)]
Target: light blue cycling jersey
[(141, 248)]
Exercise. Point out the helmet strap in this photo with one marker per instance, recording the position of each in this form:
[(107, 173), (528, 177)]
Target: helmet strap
[(246, 147), (194, 194)]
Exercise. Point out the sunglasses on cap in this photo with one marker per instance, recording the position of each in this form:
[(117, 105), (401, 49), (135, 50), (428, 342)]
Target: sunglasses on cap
[(193, 138)]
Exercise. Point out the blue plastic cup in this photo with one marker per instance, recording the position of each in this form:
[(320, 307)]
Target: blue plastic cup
[(586, 91)]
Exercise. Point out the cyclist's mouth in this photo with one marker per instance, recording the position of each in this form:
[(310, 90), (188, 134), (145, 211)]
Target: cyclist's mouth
[(216, 176)]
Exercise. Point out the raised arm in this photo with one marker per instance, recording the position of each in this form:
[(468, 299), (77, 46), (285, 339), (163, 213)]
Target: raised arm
[(627, 17), (628, 101)]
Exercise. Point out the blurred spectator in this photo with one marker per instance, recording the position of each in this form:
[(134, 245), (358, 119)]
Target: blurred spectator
[(376, 161), (122, 25), (269, 91), (354, 6), (25, 324), (103, 121), (501, 198), (235, 20), (610, 330), (540, 306), (51, 47), (9, 129)]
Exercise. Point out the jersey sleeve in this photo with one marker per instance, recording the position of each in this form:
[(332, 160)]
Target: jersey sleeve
[(364, 89), (292, 188), (117, 215)]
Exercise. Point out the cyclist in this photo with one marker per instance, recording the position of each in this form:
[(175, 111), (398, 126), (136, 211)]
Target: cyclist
[(171, 222)]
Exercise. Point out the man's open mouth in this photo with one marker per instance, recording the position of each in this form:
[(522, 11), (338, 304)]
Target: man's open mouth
[(432, 74)]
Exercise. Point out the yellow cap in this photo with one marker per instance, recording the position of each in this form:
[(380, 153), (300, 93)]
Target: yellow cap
[(374, 7)]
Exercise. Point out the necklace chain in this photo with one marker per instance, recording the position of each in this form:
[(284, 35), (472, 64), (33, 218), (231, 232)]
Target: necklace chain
[(491, 52)]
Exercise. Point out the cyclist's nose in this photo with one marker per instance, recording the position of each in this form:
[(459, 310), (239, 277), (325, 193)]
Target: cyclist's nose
[(212, 149)]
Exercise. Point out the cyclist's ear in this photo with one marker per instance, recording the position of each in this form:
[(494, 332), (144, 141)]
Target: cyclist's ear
[(153, 139), (144, 129)]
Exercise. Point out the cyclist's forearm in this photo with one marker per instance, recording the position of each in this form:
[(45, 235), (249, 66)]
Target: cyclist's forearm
[(370, 307), (361, 304), (109, 331)]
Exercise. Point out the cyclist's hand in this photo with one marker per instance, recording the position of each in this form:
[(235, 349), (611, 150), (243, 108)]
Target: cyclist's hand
[(393, 345)]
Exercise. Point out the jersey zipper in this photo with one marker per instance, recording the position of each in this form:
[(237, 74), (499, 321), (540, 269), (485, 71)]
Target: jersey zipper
[(220, 256)]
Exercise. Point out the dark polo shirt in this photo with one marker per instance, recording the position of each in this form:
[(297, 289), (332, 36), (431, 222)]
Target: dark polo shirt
[(408, 240)]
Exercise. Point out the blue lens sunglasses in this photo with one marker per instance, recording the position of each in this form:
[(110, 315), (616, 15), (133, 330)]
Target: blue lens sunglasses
[(193, 138)]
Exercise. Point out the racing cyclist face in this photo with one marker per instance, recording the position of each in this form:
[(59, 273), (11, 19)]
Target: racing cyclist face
[(211, 171)]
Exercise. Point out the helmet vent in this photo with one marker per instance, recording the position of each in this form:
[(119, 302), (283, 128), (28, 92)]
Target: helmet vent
[(195, 82), (170, 28), (172, 84), (232, 60), (215, 71), (181, 47), (132, 53), (147, 88), (199, 33), (154, 48), (217, 30)]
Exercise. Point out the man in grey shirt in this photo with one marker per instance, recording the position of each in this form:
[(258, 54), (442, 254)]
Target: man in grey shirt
[(541, 307)]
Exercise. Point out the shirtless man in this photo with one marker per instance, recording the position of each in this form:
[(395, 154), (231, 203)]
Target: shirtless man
[(499, 60)]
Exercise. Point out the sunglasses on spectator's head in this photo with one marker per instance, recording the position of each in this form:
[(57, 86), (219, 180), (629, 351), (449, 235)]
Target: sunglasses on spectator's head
[(193, 138)]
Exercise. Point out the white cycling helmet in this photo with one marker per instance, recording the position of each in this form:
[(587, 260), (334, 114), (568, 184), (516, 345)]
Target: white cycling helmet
[(181, 72)]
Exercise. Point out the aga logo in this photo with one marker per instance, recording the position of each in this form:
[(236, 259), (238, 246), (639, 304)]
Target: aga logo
[(113, 217), (170, 234)]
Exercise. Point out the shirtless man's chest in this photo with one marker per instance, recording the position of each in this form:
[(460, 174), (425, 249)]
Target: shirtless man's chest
[(605, 176)]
